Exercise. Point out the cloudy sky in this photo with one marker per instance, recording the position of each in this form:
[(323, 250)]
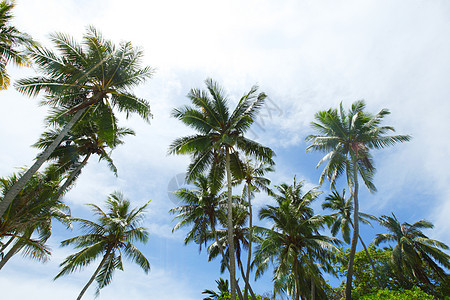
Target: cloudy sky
[(306, 55)]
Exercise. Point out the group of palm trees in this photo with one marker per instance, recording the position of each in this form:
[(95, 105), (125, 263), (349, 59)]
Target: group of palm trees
[(84, 84), (222, 157)]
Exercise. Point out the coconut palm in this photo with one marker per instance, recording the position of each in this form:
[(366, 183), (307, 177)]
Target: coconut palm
[(224, 292), (31, 214), (83, 141), (84, 80), (253, 177), (109, 237), (218, 142), (201, 205), (294, 244), (346, 138), (11, 40), (414, 250), (341, 220)]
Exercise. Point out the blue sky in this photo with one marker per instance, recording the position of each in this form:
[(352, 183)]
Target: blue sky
[(306, 55)]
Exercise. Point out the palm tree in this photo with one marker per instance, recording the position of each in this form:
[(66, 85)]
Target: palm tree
[(224, 292), (346, 138), (80, 143), (414, 250), (341, 219), (32, 213), (89, 80), (253, 176), (218, 142), (109, 237), (201, 205), (11, 40), (294, 243)]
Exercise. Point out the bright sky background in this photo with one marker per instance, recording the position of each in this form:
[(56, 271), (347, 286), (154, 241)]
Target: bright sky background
[(306, 55)]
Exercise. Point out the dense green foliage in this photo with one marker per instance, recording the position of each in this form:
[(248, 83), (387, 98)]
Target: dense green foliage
[(365, 282), (415, 293)]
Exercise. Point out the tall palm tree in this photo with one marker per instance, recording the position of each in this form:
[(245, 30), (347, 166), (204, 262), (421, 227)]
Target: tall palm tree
[(414, 249), (11, 40), (88, 79), (109, 237), (347, 138), (294, 243), (253, 177), (218, 142), (341, 221)]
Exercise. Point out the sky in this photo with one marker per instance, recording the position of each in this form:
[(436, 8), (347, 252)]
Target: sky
[(305, 55)]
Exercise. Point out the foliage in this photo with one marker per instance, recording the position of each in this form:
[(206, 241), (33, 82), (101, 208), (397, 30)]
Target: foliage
[(293, 244), (31, 214), (365, 282), (111, 236), (415, 255), (11, 42), (415, 293)]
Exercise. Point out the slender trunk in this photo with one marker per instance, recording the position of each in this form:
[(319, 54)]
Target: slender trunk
[(230, 231), (94, 275), (348, 286), (72, 176), (7, 244), (14, 249), (297, 281), (313, 290), (370, 259), (213, 228), (250, 237), (19, 185), (246, 281)]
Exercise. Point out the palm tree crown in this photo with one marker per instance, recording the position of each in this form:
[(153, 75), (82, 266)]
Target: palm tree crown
[(347, 139), (85, 80), (201, 206), (109, 237), (294, 243), (11, 40), (414, 249)]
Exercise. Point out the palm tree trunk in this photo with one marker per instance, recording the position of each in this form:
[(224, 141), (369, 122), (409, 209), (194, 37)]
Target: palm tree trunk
[(250, 237), (19, 185), (213, 228), (230, 230), (297, 281), (246, 281), (7, 244), (313, 290), (348, 286), (94, 275), (369, 257), (14, 249), (72, 176)]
